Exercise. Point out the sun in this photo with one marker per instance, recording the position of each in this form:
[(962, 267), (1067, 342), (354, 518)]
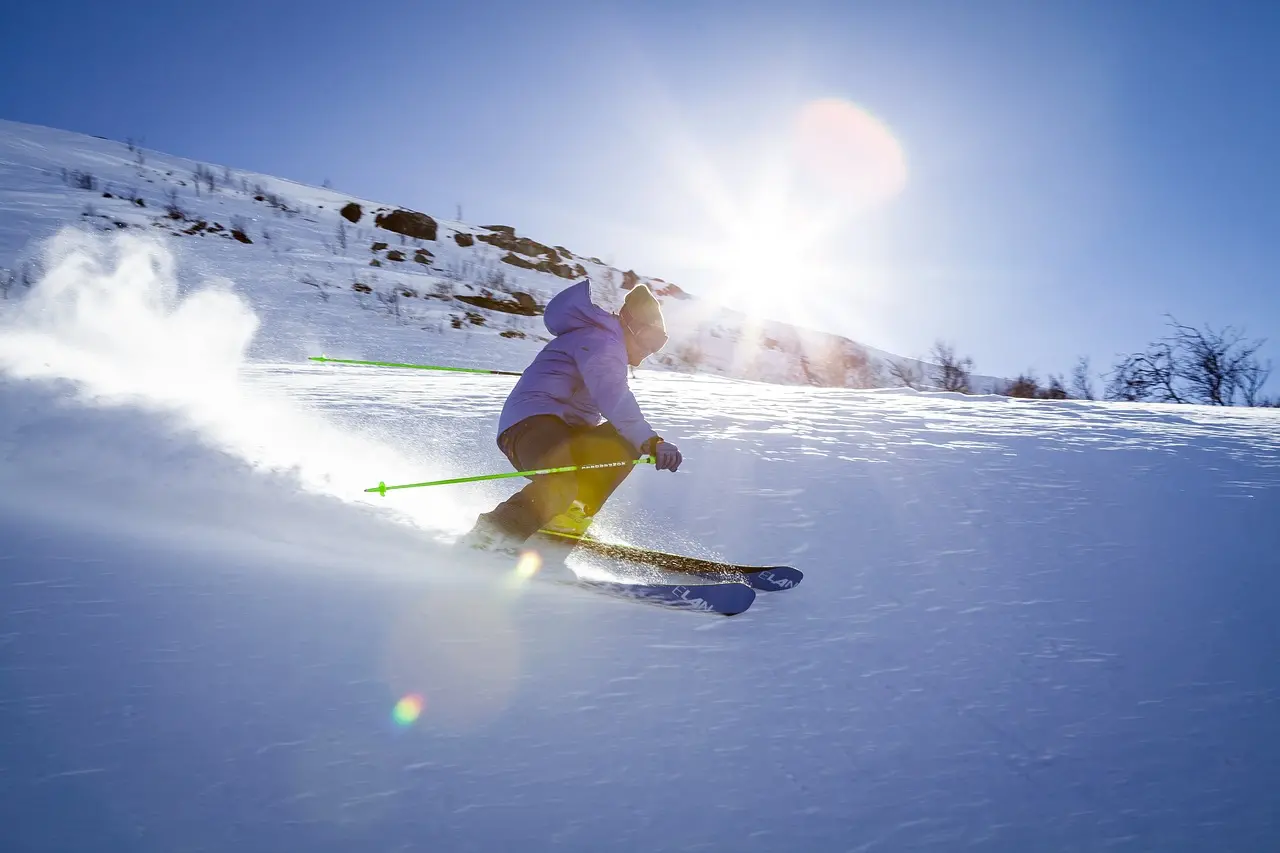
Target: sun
[(773, 234)]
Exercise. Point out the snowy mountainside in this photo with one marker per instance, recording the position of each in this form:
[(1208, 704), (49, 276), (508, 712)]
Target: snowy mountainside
[(454, 281), (1024, 625)]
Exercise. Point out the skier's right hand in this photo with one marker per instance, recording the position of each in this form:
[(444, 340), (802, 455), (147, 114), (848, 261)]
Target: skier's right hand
[(665, 454)]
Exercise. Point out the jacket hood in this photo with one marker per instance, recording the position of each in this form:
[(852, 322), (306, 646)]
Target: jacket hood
[(577, 307)]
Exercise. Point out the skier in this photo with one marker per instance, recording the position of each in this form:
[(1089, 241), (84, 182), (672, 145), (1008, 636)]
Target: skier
[(573, 406)]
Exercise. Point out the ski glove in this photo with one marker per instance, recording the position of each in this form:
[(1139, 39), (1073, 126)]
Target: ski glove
[(665, 454)]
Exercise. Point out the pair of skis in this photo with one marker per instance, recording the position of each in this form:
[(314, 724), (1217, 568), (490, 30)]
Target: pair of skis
[(730, 588)]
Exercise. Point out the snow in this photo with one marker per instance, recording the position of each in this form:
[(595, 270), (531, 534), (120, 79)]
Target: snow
[(1024, 624)]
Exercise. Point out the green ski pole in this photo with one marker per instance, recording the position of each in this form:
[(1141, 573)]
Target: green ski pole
[(412, 366), (383, 488)]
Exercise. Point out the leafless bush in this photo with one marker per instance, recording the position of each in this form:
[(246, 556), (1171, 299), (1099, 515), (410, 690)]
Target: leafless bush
[(1082, 380), (389, 300), (340, 235), (1055, 390), (172, 206), (495, 278), (951, 373), (1190, 365), (204, 175), (8, 278), (1024, 385), (80, 180), (321, 286), (907, 374)]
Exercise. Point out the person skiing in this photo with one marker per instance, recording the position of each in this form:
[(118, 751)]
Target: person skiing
[(573, 406)]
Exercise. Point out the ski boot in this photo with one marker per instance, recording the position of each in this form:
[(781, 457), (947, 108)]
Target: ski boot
[(573, 522)]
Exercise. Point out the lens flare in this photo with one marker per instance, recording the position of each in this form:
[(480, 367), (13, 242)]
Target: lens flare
[(408, 709), (528, 565), (846, 149)]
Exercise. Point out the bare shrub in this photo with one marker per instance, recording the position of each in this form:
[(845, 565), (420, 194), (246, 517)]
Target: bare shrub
[(172, 207), (907, 374), (390, 301), (1055, 390), (951, 373), (321, 286), (1191, 365), (81, 180), (1024, 385), (204, 175), (1082, 380), (8, 278)]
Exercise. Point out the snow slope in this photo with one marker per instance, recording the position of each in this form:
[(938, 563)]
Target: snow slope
[(307, 270), (1025, 625)]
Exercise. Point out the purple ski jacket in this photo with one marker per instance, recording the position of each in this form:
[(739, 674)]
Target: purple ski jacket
[(580, 376)]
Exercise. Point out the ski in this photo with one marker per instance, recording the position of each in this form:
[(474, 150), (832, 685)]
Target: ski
[(726, 599), (764, 578)]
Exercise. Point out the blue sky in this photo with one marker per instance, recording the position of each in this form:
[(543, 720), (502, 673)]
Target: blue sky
[(1074, 169)]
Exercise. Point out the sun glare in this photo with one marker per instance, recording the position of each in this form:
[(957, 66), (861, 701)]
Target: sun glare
[(775, 232)]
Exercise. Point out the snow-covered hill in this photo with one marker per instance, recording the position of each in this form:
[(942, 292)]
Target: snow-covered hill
[(1025, 625), (381, 293)]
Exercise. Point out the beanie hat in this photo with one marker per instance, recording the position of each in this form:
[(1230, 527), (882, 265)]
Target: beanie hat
[(641, 309)]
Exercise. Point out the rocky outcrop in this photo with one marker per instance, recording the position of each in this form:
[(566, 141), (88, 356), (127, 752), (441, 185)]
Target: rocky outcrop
[(519, 303), (410, 223)]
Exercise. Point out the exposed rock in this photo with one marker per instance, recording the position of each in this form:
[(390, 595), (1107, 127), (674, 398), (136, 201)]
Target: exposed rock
[(351, 212), (410, 223), (377, 247), (520, 303), (503, 229), (630, 279), (395, 255), (475, 319), (422, 256), (522, 245), (545, 265), (464, 240), (517, 261), (361, 287), (511, 333), (240, 235)]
